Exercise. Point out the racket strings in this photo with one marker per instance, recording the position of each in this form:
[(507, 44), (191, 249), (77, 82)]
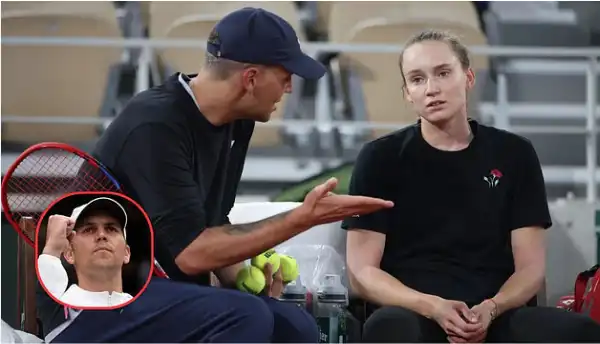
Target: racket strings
[(45, 176)]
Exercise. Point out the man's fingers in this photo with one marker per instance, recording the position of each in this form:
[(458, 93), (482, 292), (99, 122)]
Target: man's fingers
[(316, 194), (268, 271), (320, 191), (356, 205), (330, 185), (325, 189), (277, 276), (366, 202), (277, 284)]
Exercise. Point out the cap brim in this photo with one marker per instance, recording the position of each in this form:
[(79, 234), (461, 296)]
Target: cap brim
[(108, 205), (305, 67)]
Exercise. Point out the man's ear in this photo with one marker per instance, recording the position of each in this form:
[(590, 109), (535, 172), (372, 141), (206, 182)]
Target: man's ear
[(69, 256), (249, 78), (127, 257)]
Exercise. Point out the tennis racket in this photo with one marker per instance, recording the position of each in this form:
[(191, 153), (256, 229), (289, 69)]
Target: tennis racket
[(43, 173)]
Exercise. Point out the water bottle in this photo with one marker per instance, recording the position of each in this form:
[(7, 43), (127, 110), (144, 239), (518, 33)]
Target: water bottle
[(295, 292), (330, 310)]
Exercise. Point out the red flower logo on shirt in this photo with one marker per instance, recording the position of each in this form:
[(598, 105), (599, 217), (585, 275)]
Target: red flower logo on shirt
[(493, 178)]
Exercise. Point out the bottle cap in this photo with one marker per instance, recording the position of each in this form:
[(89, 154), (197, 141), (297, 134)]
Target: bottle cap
[(332, 290), (294, 291)]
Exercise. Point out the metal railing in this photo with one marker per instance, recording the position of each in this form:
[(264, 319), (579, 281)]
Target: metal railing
[(501, 112)]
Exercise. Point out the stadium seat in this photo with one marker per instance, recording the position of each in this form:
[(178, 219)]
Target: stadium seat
[(195, 20), (53, 80), (316, 16), (551, 90), (588, 13), (375, 77)]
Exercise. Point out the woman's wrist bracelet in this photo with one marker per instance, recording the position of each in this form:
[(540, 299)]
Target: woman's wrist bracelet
[(494, 311)]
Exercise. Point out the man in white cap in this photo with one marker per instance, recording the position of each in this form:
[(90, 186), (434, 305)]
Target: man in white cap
[(93, 240)]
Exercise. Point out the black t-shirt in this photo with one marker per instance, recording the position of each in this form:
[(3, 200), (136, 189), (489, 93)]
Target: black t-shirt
[(449, 233), (183, 170), (180, 168)]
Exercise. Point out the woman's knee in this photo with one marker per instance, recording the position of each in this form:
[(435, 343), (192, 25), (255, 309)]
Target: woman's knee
[(392, 324), (531, 324)]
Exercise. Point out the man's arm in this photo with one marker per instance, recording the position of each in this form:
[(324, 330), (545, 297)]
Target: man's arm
[(227, 275), (156, 163), (53, 275), (364, 252), (159, 170), (249, 240)]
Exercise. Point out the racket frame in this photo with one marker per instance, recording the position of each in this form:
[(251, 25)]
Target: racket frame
[(156, 268)]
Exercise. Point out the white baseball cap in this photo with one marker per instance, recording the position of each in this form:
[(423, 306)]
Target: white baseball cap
[(109, 205)]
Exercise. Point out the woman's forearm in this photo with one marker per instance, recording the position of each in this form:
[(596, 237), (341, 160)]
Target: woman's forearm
[(519, 289), (379, 287)]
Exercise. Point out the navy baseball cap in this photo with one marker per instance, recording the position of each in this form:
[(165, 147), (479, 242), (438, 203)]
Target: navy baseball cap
[(253, 35)]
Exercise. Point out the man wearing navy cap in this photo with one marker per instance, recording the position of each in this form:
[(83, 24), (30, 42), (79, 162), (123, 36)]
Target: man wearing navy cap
[(179, 150)]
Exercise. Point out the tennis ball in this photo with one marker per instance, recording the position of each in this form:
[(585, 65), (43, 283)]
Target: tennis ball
[(270, 257), (289, 268), (250, 279)]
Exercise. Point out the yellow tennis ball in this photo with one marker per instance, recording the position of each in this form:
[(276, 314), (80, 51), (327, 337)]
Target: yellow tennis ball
[(289, 268), (250, 279), (270, 257)]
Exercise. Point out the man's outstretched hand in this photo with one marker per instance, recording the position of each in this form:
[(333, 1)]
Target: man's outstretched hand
[(321, 206)]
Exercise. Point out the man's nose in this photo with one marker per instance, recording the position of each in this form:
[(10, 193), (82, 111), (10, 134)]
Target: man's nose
[(101, 234)]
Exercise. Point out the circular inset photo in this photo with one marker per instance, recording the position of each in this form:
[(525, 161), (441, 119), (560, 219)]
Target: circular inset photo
[(94, 250)]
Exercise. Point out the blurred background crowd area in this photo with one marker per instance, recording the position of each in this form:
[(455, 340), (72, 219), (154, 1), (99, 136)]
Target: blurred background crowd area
[(67, 72)]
